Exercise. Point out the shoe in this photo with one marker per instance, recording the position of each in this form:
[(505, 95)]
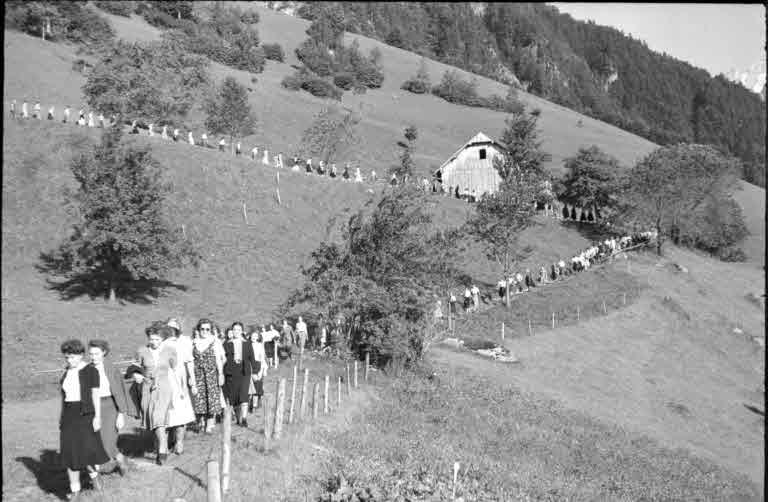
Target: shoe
[(121, 469), (97, 484), (74, 496), (161, 458), (244, 423), (179, 449)]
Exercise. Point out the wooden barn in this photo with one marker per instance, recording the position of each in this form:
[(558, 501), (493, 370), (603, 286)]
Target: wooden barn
[(471, 166)]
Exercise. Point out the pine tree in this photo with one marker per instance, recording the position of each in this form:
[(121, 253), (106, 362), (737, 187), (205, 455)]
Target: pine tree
[(406, 157), (229, 112), (330, 133), (591, 179), (122, 237)]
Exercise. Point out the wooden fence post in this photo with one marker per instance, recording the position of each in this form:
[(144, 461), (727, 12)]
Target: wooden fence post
[(502, 331), (275, 345), (355, 373), (267, 421), (226, 445), (338, 396), (325, 394), (279, 409), (303, 407), (214, 487), (315, 396), (349, 384), (605, 310), (577, 313), (367, 366), (293, 394), (530, 328), (553, 320)]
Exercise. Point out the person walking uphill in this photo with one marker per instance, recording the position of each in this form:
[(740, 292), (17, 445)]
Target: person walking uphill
[(238, 369), (113, 401), (80, 441), (209, 375)]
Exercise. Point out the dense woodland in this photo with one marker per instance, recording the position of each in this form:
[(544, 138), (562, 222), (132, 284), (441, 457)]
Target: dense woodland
[(596, 70)]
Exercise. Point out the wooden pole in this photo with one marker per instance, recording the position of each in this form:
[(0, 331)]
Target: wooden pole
[(605, 311), (624, 298), (502, 330), (577, 313), (315, 397), (279, 409), (355, 373), (349, 383), (214, 487), (293, 394), (367, 366), (325, 395), (267, 421), (338, 396), (226, 445), (303, 407), (530, 328), (245, 213), (553, 320), (183, 231)]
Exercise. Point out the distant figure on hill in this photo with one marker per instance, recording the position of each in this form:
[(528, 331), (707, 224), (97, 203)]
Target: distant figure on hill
[(204, 140), (321, 168), (81, 121), (456, 192), (465, 195), (13, 109), (254, 152), (439, 311), (345, 174), (573, 213), (238, 149), (309, 166), (151, 130), (81, 116), (475, 296), (91, 122), (24, 110), (279, 160), (288, 335), (358, 175), (334, 172), (37, 111), (393, 180), (164, 134), (467, 299), (373, 176), (190, 138), (222, 144), (134, 128), (175, 134), (265, 159), (565, 212), (502, 285), (66, 115), (295, 167), (543, 275), (50, 113), (452, 303), (301, 332), (101, 120)]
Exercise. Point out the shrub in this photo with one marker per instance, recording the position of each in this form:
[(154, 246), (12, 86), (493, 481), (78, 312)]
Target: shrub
[(254, 80), (415, 86), (118, 7), (293, 82), (732, 254), (273, 52), (159, 19), (315, 57), (369, 75), (71, 21), (252, 60), (454, 89), (344, 80), (249, 17), (321, 88)]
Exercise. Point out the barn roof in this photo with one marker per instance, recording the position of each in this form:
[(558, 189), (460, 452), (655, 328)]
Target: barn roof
[(477, 139)]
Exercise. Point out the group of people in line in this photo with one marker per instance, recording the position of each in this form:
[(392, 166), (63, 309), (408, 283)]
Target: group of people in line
[(520, 282), (176, 380)]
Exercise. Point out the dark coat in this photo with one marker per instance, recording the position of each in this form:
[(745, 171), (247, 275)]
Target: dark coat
[(89, 378), (117, 386), (249, 360)]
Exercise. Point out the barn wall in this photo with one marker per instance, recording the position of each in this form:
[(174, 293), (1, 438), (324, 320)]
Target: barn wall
[(468, 171)]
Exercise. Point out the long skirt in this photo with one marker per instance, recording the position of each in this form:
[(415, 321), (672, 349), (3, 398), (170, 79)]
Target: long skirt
[(109, 432), (181, 412), (155, 403), (236, 386), (80, 445), (269, 349), (256, 388)]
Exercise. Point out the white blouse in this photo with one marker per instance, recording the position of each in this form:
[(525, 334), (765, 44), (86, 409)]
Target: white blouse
[(104, 389), (71, 384)]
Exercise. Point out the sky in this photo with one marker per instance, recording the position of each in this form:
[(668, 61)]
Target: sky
[(716, 37)]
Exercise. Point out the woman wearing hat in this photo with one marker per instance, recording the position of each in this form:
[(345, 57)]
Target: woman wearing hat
[(181, 412), (259, 370), (81, 447), (158, 361), (209, 375)]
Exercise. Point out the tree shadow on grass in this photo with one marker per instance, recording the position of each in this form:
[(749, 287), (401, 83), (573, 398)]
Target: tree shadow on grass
[(95, 283), (590, 231), (51, 476)]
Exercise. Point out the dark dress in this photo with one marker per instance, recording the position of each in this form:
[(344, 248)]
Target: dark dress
[(237, 374), (81, 446)]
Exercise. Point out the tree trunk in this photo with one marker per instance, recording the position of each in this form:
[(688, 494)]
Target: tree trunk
[(659, 238), (112, 295)]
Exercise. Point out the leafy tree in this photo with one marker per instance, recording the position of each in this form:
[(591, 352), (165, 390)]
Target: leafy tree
[(328, 27), (71, 21), (672, 183), (228, 112), (158, 81), (382, 279), (523, 147), (122, 236), (330, 133), (407, 165), (591, 179), (421, 83)]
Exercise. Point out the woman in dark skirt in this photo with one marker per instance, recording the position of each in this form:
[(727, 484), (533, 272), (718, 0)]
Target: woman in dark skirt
[(256, 387), (238, 368), (81, 447)]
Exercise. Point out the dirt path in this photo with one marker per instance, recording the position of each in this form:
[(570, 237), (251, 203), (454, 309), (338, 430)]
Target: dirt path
[(292, 469)]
